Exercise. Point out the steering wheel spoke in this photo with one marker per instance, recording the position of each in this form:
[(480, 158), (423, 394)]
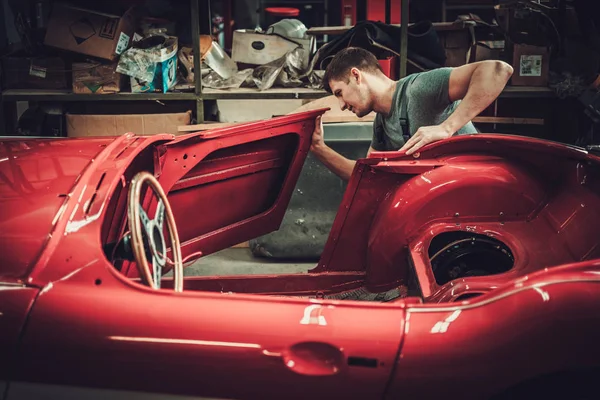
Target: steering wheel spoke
[(159, 217), (156, 270), (145, 220)]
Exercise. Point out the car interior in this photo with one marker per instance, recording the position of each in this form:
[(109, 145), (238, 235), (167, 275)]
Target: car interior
[(442, 260)]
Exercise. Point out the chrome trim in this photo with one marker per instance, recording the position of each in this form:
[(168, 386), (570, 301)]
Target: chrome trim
[(12, 284)]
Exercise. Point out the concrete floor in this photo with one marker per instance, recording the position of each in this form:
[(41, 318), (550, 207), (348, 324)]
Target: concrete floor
[(241, 261)]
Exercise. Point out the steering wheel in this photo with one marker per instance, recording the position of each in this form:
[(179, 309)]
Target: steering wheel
[(140, 224)]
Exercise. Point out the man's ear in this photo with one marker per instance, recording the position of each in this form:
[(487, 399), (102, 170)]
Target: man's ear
[(356, 75)]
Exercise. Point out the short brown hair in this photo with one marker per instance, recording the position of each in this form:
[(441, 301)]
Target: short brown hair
[(345, 60)]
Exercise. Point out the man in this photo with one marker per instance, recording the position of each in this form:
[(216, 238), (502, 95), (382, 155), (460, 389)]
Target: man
[(437, 104)]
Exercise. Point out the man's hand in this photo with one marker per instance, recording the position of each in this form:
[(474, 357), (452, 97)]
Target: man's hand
[(317, 136), (425, 135), (335, 162)]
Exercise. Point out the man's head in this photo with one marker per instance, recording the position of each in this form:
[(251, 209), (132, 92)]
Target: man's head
[(347, 77)]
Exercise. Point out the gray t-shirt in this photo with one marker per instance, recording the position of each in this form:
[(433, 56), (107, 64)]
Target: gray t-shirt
[(428, 104)]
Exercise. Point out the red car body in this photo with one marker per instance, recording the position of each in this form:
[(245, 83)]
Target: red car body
[(494, 238)]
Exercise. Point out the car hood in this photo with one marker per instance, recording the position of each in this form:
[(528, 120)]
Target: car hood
[(36, 176)]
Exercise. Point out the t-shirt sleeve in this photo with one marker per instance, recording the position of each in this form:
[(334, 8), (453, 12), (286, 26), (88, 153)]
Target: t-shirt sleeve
[(431, 88), (377, 143)]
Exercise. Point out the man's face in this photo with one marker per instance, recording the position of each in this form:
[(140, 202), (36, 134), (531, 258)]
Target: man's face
[(352, 93)]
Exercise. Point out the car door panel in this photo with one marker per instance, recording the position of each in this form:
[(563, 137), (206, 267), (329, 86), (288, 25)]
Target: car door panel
[(16, 301), (117, 336), (233, 184)]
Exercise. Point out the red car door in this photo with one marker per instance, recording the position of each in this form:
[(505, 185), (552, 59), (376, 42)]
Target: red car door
[(121, 337)]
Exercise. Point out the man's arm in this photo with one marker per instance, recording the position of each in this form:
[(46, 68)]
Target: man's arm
[(334, 161), (478, 85)]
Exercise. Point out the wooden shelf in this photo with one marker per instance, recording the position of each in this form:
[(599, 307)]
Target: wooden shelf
[(338, 30), (207, 94), (508, 120), (527, 91), (215, 94), (275, 93), (64, 95)]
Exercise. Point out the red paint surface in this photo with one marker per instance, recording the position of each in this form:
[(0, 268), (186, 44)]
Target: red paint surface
[(376, 11), (36, 177), (15, 304)]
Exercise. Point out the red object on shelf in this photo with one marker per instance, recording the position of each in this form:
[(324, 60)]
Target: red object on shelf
[(283, 11), (375, 11), (348, 12), (390, 67)]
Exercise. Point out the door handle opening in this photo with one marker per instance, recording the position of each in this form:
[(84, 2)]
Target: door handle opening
[(362, 362), (314, 358)]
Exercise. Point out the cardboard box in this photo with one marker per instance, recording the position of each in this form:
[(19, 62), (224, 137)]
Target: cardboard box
[(531, 65), (33, 73), (230, 110), (259, 48), (89, 32), (486, 50), (165, 70), (117, 125), (96, 78), (456, 45)]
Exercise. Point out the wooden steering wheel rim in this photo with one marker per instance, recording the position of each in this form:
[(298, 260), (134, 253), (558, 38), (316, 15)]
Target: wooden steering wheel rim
[(135, 226)]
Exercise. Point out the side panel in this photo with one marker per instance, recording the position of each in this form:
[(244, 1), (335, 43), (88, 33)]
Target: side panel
[(15, 305), (478, 350), (94, 331)]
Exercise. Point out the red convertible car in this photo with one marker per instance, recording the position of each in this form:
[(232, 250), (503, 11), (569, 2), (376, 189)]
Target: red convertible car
[(471, 271)]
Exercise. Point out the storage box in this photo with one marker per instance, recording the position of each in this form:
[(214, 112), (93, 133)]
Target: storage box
[(96, 78), (531, 65), (89, 32), (33, 73), (165, 70), (245, 111), (116, 125), (259, 48), (487, 50), (456, 44)]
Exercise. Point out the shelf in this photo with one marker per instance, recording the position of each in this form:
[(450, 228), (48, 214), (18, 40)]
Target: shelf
[(215, 94), (304, 93), (64, 95), (207, 94), (275, 93), (470, 7), (338, 30), (508, 120), (527, 91)]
